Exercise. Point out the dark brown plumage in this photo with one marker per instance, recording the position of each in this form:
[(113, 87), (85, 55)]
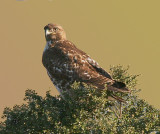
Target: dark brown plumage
[(65, 64)]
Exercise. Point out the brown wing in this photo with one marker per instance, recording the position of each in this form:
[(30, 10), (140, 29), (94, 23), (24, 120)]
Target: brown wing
[(65, 61)]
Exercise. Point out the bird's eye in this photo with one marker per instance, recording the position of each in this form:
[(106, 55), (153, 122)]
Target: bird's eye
[(55, 29)]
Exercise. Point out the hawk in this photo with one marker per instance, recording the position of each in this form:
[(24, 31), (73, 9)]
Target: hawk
[(65, 64)]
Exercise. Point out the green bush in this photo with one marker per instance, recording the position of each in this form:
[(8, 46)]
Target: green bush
[(88, 112)]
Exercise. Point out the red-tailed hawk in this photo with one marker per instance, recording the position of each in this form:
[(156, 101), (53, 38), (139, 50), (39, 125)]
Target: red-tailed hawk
[(65, 64)]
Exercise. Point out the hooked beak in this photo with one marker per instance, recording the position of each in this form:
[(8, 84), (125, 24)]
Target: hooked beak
[(47, 32)]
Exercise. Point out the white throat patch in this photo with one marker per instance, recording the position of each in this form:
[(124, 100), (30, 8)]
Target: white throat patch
[(47, 45)]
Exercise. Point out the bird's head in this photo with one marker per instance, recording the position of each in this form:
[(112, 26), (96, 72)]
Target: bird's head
[(54, 32)]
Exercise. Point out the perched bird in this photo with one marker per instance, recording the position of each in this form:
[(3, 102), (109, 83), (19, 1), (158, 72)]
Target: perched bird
[(65, 64)]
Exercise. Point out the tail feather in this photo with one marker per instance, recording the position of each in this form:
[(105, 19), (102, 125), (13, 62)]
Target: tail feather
[(122, 90), (118, 84), (118, 87)]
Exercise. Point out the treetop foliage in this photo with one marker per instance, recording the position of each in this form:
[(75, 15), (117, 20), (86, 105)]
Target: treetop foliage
[(88, 112)]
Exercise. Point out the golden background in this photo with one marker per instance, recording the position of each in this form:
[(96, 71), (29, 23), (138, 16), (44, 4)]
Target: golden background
[(111, 31)]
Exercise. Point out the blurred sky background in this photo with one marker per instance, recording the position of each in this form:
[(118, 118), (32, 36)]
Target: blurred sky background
[(111, 31)]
